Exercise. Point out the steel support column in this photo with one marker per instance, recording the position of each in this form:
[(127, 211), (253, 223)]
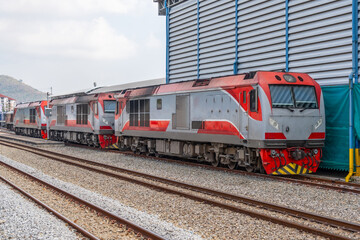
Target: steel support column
[(236, 37), (353, 76), (287, 35), (198, 39), (167, 42)]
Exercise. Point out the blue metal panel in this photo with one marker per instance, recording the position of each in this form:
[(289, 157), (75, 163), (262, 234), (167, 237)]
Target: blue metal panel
[(167, 44), (236, 37), (287, 35), (198, 39), (355, 38)]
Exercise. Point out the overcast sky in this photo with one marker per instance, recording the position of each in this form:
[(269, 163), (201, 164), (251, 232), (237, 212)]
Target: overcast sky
[(69, 44)]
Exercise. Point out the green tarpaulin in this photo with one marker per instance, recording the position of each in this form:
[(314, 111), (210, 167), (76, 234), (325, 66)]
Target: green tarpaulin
[(336, 151)]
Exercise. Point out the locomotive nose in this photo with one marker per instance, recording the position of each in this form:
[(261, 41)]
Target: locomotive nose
[(294, 127), (297, 154)]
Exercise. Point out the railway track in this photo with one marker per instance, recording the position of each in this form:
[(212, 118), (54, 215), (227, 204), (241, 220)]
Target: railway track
[(216, 198), (51, 210), (336, 185), (97, 211)]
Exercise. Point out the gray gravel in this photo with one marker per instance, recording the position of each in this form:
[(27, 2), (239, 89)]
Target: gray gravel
[(22, 219), (204, 220), (331, 203), (150, 222)]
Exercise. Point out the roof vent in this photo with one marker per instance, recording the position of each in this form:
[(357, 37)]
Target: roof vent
[(201, 82), (250, 75)]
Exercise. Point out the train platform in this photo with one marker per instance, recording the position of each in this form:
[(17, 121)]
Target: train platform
[(6, 135)]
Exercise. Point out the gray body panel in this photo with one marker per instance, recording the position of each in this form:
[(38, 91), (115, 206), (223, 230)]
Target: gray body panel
[(103, 119), (219, 105)]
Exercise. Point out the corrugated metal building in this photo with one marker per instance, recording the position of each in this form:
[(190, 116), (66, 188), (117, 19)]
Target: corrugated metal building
[(209, 38)]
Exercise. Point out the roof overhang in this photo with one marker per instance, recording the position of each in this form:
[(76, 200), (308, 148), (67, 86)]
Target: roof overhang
[(170, 3)]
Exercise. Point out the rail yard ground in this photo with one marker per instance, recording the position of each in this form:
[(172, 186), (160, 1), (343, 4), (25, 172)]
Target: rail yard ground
[(170, 216)]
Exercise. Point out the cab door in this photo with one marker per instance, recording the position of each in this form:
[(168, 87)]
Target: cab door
[(244, 118), (253, 130), (120, 114)]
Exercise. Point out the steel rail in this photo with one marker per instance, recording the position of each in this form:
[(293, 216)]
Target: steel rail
[(293, 212), (347, 187), (328, 221), (299, 213), (49, 209), (325, 180), (130, 225)]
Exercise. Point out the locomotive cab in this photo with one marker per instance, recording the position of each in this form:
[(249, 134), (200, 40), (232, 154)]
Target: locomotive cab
[(104, 114), (293, 129)]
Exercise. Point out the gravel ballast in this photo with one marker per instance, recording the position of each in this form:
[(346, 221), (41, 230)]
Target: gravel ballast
[(207, 221), (20, 218), (141, 218), (326, 202)]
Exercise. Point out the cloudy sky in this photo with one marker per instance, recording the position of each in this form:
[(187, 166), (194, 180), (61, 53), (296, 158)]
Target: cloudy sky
[(69, 44)]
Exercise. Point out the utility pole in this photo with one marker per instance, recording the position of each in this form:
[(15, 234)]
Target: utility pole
[(47, 117)]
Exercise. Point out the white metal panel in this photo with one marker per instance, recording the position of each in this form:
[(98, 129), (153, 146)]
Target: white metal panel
[(183, 41), (261, 43), (320, 39), (217, 38)]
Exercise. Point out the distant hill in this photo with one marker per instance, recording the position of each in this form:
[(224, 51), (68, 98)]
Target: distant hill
[(22, 92)]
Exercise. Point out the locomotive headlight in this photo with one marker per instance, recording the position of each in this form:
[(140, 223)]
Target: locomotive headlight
[(318, 124), (106, 122), (315, 151), (274, 123)]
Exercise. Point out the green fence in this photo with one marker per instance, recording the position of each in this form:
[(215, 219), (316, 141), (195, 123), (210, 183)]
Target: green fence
[(336, 151)]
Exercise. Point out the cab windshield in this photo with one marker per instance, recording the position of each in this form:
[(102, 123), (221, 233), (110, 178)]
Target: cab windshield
[(294, 96), (109, 106)]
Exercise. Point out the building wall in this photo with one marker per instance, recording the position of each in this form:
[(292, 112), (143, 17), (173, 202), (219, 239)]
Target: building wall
[(7, 105), (209, 38)]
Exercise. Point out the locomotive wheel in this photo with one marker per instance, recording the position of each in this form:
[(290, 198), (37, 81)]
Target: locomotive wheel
[(212, 159), (261, 167), (250, 168), (232, 165), (215, 162)]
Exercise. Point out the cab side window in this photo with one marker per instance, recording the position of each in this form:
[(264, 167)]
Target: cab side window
[(159, 104), (253, 100)]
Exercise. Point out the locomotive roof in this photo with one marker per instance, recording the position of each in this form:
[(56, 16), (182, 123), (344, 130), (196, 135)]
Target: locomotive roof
[(76, 99), (29, 104), (121, 87), (226, 82), (109, 89)]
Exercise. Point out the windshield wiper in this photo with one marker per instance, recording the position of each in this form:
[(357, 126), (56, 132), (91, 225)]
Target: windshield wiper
[(304, 108), (290, 109)]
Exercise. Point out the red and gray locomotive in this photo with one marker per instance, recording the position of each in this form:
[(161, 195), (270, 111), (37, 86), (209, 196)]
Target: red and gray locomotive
[(83, 118), (29, 119), (271, 122)]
